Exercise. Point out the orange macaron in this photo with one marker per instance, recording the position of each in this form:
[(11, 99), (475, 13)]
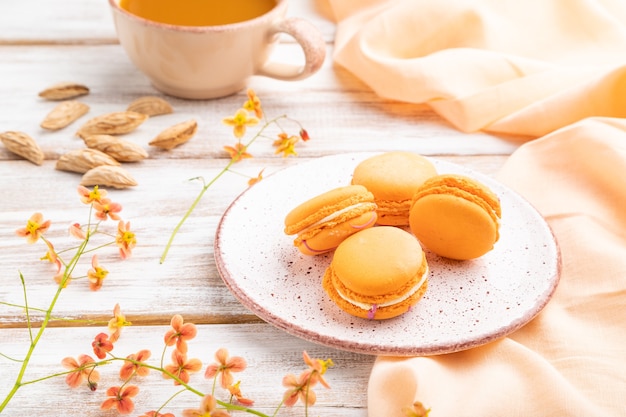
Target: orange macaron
[(456, 216), (324, 221), (393, 178), (378, 273)]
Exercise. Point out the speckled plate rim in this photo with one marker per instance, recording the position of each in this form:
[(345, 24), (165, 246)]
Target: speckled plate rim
[(235, 219)]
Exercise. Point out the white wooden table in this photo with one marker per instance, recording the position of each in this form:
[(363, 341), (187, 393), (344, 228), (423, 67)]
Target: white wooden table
[(44, 42)]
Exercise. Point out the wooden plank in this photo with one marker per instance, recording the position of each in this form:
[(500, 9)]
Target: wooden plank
[(340, 113), (188, 277), (270, 355), (42, 43)]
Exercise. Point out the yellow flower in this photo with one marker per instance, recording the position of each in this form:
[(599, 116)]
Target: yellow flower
[(318, 368), (417, 410), (96, 274), (125, 239), (238, 152), (286, 145), (35, 227), (51, 255), (254, 104), (240, 121), (89, 196), (117, 323)]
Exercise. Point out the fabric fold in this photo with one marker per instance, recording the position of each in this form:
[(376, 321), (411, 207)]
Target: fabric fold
[(553, 71), (490, 65), (569, 360)]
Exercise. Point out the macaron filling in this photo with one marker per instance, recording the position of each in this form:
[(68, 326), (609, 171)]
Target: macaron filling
[(371, 308), (336, 215), (371, 220)]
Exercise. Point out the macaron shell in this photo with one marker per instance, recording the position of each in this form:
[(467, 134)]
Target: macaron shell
[(377, 266), (393, 178), (317, 208), (379, 262), (394, 175), (381, 297), (324, 239), (380, 313), (452, 226), (455, 183), (393, 213)]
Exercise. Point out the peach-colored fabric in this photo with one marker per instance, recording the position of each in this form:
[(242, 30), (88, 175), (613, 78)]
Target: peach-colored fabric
[(548, 69), (570, 361), (517, 67)]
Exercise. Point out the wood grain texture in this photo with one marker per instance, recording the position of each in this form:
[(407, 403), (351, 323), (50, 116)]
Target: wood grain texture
[(188, 276), (42, 43), (269, 353)]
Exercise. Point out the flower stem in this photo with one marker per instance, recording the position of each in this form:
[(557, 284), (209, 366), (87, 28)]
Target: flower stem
[(27, 310), (204, 189), (191, 209), (47, 317)]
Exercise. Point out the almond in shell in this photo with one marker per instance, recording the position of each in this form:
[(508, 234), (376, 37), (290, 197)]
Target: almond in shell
[(108, 176), (118, 148), (64, 91), (64, 114), (150, 105), (175, 135), (23, 145), (82, 160), (116, 123)]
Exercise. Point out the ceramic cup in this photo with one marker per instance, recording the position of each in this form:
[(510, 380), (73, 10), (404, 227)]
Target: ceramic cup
[(203, 62)]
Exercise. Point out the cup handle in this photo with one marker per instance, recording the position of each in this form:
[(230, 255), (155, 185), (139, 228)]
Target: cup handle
[(310, 40)]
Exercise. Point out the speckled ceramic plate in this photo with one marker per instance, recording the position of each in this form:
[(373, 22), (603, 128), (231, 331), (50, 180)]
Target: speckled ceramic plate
[(467, 304)]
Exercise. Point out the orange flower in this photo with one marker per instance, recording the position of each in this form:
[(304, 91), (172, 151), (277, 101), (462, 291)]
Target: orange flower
[(253, 104), (318, 368), (106, 209), (156, 414), (207, 409), (224, 367), (82, 369), (237, 153), (62, 280), (131, 368), (51, 255), (121, 399), (286, 145), (102, 345), (35, 227), (417, 410), (299, 388), (180, 333), (240, 121), (89, 196), (117, 323), (77, 232), (182, 367), (304, 134), (256, 179), (236, 392), (125, 239), (96, 274)]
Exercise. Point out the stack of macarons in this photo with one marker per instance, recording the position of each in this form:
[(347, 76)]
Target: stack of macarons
[(380, 272)]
